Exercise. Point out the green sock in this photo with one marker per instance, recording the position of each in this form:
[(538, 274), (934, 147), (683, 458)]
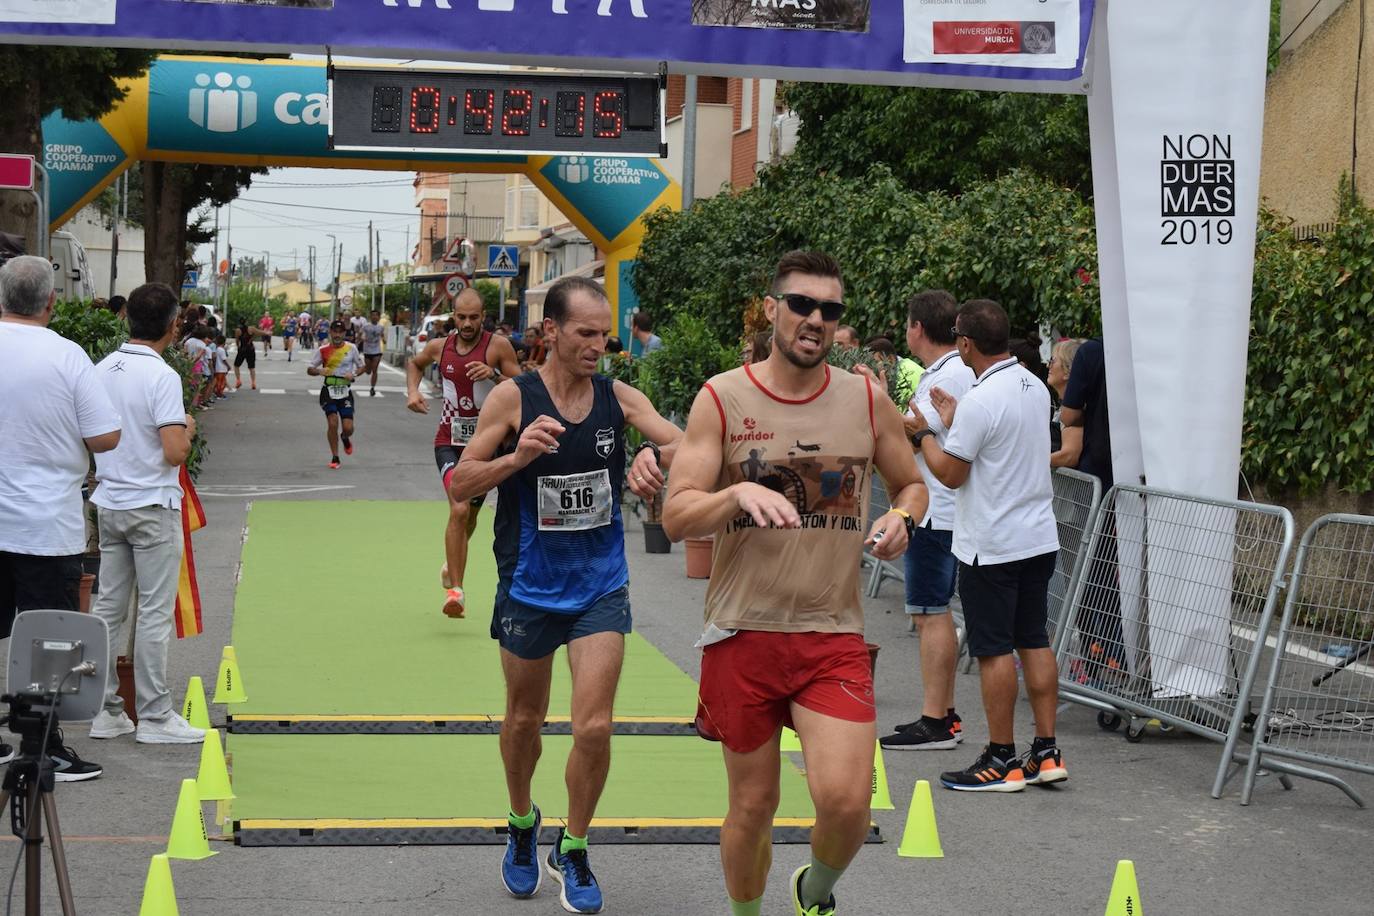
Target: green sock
[(523, 821), (817, 882), (746, 907), (570, 842)]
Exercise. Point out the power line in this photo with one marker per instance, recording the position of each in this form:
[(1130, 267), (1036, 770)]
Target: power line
[(409, 182), (412, 214)]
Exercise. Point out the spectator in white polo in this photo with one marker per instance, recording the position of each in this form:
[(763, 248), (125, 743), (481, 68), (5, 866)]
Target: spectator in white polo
[(139, 501), (930, 564), (1005, 540), (53, 413)]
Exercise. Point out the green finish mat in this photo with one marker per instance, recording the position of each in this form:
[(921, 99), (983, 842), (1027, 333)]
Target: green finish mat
[(461, 776), (338, 613)]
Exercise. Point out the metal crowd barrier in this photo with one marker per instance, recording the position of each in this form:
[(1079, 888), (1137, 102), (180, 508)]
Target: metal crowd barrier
[(1318, 704), (1171, 609), (878, 505), (1077, 497)]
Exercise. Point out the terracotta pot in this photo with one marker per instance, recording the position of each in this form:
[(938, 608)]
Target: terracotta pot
[(699, 557), (83, 595), (124, 669), (873, 648)]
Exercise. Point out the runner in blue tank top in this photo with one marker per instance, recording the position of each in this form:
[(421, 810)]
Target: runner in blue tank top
[(554, 442)]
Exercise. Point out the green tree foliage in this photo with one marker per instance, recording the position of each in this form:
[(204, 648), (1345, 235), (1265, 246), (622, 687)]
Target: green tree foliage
[(1309, 401), (490, 291), (171, 192), (246, 303), (672, 375), (35, 81), (941, 140), (1018, 239)]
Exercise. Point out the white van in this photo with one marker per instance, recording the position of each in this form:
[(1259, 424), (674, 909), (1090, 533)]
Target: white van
[(71, 268)]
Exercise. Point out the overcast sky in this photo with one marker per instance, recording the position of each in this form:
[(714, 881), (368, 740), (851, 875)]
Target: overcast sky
[(288, 210)]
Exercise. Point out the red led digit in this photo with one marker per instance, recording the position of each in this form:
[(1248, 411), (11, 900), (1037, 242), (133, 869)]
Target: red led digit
[(607, 120), (424, 110), (478, 105), (571, 114), (516, 106), (452, 110)]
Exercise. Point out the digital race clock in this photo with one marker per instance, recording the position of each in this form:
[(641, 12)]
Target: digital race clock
[(513, 112)]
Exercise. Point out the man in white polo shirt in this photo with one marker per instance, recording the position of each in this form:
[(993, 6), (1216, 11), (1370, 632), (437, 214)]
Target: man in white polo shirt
[(930, 564), (139, 500), (53, 413), (1005, 539)]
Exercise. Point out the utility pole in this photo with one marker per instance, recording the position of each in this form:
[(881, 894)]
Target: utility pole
[(371, 270), (120, 184), (377, 269), (311, 250), (229, 246), (214, 262), (338, 269)]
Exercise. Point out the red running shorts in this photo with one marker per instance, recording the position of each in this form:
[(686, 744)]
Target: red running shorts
[(750, 681)]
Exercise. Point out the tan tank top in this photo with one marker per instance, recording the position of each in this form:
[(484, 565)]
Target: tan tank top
[(816, 452)]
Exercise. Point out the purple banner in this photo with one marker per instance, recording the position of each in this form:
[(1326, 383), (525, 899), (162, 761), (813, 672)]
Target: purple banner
[(874, 41)]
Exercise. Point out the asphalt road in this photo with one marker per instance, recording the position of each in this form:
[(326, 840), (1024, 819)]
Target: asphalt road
[(1305, 851)]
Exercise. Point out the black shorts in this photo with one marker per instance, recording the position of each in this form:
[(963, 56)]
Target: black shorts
[(33, 583), (1006, 605), (446, 459), (247, 355), (344, 408)]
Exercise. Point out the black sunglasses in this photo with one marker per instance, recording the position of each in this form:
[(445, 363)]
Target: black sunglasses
[(805, 305), (957, 333)]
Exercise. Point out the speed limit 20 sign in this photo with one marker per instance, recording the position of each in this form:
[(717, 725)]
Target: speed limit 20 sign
[(455, 284)]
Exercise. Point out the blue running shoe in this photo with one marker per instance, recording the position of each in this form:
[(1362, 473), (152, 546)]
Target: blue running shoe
[(581, 893), (520, 866)]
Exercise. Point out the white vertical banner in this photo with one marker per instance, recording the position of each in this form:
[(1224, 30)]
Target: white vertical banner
[(1179, 89)]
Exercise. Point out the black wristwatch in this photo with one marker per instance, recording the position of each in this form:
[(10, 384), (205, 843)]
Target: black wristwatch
[(921, 434), (658, 456)]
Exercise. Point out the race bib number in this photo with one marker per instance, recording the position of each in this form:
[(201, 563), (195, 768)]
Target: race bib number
[(337, 388), (575, 502), (461, 430)]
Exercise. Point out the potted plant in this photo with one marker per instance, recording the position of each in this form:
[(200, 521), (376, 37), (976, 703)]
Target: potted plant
[(671, 377)]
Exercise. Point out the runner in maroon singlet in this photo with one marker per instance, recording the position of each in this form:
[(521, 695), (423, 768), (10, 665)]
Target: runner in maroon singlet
[(471, 363)]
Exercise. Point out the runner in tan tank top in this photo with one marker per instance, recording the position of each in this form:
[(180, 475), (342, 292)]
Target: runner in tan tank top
[(776, 465)]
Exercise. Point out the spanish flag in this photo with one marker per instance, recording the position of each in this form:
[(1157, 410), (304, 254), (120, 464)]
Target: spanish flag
[(188, 591)]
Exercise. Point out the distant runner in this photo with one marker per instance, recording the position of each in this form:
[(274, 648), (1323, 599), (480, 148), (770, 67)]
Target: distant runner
[(471, 362), (306, 331), (266, 324), (372, 333), (288, 334), (338, 363)]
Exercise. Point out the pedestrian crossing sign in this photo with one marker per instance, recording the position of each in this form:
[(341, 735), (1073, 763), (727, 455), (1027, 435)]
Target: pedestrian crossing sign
[(503, 260)]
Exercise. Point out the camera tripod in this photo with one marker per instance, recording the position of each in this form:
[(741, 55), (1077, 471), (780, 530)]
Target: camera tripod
[(28, 784)]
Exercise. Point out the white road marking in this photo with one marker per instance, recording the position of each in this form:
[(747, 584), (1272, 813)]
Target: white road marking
[(1303, 652), (271, 391), (250, 491)]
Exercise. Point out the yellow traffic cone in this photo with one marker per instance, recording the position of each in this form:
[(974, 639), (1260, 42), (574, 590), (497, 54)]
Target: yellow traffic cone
[(212, 781), (882, 799), (229, 686), (1124, 899), (790, 741), (159, 898), (188, 840), (921, 838), (193, 708), (229, 653)]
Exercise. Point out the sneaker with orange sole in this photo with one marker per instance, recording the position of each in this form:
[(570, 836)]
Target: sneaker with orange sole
[(1043, 766), (987, 774), (453, 603)]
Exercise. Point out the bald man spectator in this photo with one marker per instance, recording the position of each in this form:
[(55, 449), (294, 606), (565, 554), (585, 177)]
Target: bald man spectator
[(53, 414), (846, 338)]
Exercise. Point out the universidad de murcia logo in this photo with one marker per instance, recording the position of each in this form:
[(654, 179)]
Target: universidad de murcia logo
[(603, 7)]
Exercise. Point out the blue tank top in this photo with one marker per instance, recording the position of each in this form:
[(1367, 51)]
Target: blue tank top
[(559, 546)]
